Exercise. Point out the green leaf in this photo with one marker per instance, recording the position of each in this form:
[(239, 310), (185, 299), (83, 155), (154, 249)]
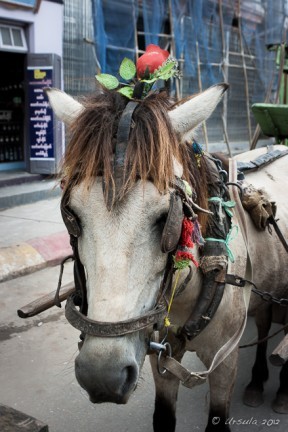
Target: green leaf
[(127, 69), (166, 68), (108, 81), (164, 72), (166, 76), (149, 81), (126, 91)]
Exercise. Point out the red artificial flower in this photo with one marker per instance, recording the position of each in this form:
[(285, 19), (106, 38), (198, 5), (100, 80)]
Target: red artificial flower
[(185, 246), (151, 60)]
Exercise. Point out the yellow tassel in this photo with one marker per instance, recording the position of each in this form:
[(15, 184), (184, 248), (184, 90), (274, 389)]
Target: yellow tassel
[(167, 322)]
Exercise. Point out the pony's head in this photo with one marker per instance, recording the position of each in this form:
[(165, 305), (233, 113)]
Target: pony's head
[(120, 244)]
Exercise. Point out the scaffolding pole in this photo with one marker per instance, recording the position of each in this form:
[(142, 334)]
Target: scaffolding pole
[(245, 73), (200, 90), (225, 71)]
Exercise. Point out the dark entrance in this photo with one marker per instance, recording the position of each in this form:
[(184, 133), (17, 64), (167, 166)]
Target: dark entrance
[(12, 110)]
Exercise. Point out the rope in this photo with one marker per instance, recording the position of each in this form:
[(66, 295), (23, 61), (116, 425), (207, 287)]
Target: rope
[(223, 204), (265, 338), (166, 319), (210, 262), (230, 237)]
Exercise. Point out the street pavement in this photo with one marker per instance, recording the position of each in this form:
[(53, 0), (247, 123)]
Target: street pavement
[(32, 236)]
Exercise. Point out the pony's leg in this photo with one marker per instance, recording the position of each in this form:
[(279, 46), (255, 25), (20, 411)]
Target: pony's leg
[(221, 382), (280, 404), (253, 395), (166, 386)]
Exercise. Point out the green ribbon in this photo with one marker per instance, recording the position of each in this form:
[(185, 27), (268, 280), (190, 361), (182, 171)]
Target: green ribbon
[(230, 237), (223, 204), (188, 188)]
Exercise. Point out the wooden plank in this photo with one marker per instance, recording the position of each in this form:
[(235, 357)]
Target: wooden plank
[(280, 354), (45, 302), (12, 420)]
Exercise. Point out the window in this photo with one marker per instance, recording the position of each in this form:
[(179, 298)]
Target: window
[(12, 39)]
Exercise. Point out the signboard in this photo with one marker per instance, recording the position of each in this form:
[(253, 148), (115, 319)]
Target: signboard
[(40, 114), (45, 134), (32, 4)]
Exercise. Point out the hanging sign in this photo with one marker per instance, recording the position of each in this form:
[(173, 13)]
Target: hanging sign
[(40, 114)]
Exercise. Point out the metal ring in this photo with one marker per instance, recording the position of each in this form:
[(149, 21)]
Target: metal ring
[(167, 348), (238, 186)]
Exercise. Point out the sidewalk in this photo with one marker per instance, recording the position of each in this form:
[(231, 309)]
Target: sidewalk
[(32, 236)]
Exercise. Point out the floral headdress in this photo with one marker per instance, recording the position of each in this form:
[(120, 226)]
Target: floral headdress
[(155, 64)]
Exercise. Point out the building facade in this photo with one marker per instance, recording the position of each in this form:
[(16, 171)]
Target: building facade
[(31, 53), (64, 43), (242, 42)]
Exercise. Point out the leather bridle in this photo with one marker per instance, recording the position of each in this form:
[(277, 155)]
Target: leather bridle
[(180, 205)]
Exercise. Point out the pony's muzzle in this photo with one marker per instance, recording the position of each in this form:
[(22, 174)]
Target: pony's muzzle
[(112, 379)]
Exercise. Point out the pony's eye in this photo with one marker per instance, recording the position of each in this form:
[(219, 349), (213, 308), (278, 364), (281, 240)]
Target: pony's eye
[(161, 221)]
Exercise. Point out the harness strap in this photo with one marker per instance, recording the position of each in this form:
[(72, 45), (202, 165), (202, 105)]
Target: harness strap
[(239, 211), (191, 379), (123, 132), (240, 217)]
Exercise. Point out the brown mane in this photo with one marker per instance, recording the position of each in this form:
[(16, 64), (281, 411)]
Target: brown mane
[(151, 148)]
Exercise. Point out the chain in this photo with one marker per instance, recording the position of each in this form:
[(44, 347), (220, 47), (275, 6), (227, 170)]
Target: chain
[(266, 296)]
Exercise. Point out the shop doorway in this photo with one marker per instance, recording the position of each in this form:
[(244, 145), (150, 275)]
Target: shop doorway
[(12, 110)]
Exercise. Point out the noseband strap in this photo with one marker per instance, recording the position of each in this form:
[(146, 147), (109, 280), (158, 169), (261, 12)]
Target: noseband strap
[(154, 318)]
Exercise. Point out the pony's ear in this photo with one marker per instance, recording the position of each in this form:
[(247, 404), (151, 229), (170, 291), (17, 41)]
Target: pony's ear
[(186, 117), (64, 106)]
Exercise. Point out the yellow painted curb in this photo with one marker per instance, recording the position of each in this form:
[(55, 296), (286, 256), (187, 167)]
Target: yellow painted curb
[(15, 260)]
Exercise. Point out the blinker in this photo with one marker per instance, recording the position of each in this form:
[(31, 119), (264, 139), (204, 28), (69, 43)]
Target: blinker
[(70, 220), (172, 230)]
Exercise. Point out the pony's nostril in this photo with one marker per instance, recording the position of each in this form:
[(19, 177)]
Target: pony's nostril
[(129, 376)]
